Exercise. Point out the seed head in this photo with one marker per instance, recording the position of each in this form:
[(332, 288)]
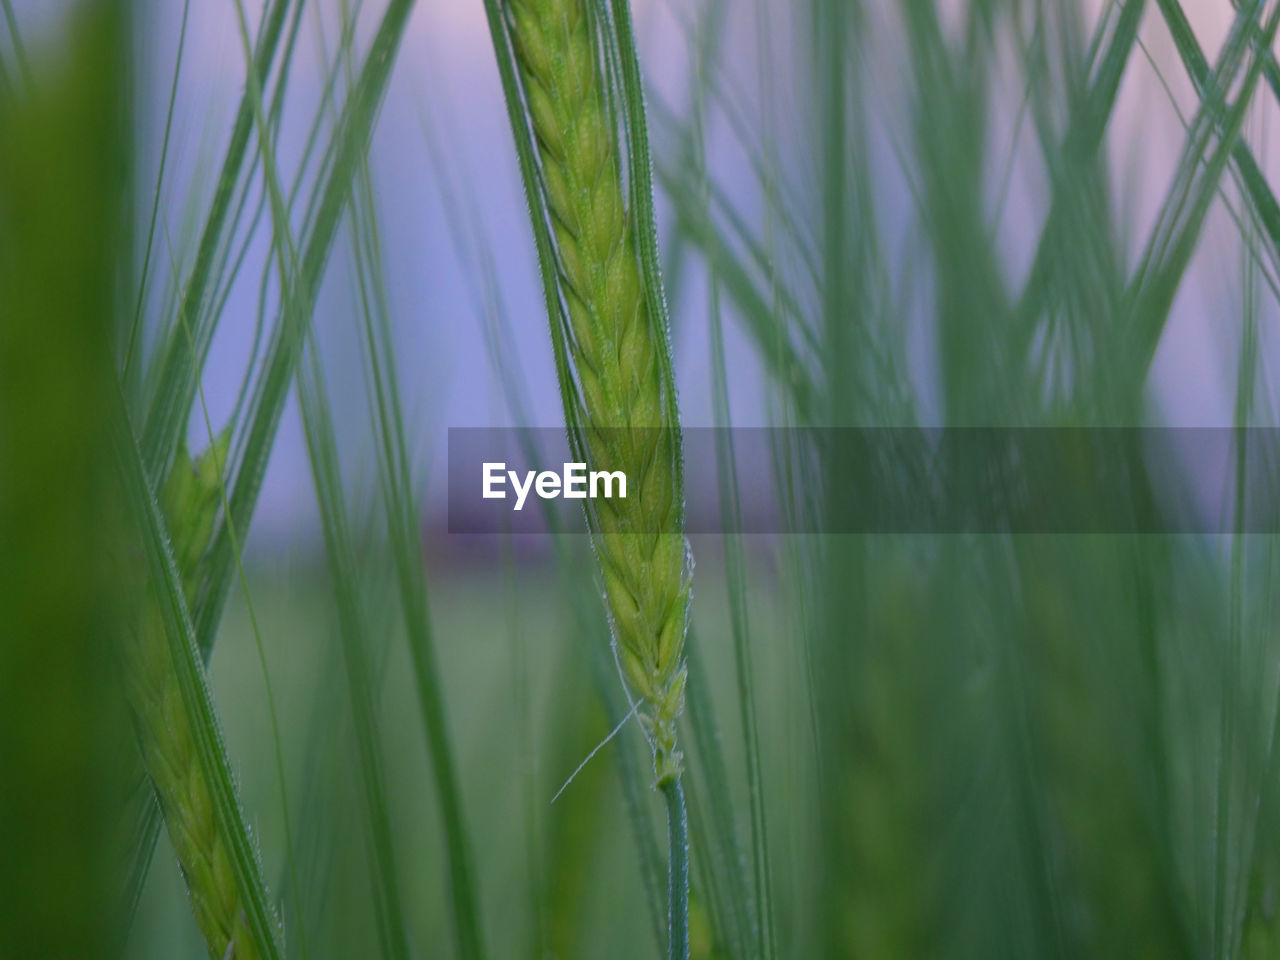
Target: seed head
[(614, 347), (190, 501)]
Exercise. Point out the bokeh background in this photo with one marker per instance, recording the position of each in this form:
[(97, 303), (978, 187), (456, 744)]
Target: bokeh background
[(987, 213)]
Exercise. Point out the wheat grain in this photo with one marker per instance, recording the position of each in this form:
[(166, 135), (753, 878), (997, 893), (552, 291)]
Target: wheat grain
[(165, 737), (614, 346)]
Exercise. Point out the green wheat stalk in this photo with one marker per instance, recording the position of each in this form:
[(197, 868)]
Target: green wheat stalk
[(571, 81)]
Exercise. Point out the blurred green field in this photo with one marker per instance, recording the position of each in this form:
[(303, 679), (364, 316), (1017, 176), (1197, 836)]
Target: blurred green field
[(523, 707)]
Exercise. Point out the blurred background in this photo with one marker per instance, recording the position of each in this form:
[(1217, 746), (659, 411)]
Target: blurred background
[(1022, 213)]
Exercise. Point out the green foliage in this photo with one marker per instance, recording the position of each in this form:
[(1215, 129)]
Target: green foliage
[(892, 747), (63, 731)]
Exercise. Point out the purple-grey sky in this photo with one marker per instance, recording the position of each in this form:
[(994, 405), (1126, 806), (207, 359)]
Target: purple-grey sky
[(445, 76)]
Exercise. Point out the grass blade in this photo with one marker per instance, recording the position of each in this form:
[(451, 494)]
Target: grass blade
[(403, 525), (1169, 250), (350, 140), (64, 735), (182, 364)]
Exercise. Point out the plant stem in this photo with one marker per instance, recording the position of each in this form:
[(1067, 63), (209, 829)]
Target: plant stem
[(678, 881)]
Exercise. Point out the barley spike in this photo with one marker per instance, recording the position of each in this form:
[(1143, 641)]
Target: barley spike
[(166, 740), (614, 345)]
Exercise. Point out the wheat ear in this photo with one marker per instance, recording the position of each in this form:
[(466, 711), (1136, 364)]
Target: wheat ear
[(190, 501), (615, 351)]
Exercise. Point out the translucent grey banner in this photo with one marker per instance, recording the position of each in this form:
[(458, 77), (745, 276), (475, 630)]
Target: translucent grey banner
[(875, 480)]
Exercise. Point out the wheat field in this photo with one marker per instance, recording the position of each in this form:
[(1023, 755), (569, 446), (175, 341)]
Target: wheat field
[(933, 341)]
